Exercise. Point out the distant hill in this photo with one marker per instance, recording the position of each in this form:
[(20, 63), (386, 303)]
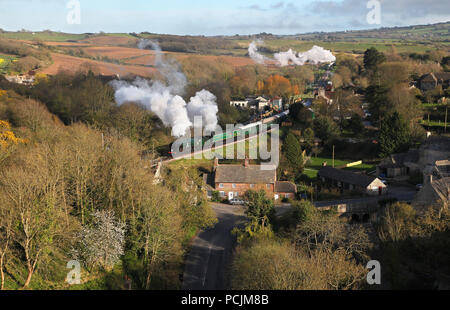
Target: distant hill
[(436, 33)]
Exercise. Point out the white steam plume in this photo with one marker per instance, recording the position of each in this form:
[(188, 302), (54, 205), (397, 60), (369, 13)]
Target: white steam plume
[(253, 53), (164, 99), (315, 55)]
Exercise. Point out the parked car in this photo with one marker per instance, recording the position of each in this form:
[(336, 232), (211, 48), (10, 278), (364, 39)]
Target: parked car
[(419, 187), (236, 202)]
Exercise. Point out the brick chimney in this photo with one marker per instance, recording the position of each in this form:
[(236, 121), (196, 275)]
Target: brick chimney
[(216, 163)]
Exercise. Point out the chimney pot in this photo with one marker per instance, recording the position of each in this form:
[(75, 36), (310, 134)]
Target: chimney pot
[(216, 163)]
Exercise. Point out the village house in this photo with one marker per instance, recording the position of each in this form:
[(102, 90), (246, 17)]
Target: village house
[(441, 169), (399, 165), (435, 151), (277, 103), (24, 79), (431, 80), (233, 181), (347, 180), (257, 103), (239, 103), (434, 194), (328, 95), (261, 103)]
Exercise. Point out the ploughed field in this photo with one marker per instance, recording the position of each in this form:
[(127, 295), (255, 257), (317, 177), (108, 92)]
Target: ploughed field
[(108, 59)]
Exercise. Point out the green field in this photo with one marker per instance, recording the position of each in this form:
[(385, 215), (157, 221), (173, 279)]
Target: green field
[(434, 123), (315, 164), (44, 36)]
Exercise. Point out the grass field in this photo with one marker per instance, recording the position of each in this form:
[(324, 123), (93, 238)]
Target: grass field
[(315, 164), (435, 123), (44, 36)]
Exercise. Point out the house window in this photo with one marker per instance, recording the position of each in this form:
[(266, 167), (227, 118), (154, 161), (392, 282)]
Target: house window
[(222, 194), (221, 185), (268, 186), (234, 185), (252, 185)]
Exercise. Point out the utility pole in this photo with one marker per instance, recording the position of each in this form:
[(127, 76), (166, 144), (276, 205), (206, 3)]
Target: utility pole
[(333, 155), (446, 113)]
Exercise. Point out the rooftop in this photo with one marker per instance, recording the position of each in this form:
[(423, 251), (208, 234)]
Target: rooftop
[(438, 143), (285, 187), (442, 188), (251, 174), (346, 176)]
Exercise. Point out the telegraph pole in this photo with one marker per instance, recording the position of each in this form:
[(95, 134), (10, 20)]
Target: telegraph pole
[(333, 155), (446, 112)]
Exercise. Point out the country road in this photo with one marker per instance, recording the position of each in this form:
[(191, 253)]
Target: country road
[(208, 262)]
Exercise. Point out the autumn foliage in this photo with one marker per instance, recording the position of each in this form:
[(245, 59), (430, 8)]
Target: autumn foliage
[(277, 85)]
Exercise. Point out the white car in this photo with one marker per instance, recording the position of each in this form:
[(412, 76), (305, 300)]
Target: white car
[(236, 202)]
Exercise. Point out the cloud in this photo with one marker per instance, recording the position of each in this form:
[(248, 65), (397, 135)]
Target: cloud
[(255, 7), (393, 13), (278, 5)]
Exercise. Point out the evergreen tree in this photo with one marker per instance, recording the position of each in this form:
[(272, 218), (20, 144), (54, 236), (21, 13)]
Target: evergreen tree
[(372, 58), (294, 153), (394, 135), (326, 129)]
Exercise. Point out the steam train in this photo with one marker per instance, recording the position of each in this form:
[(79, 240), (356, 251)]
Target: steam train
[(239, 134)]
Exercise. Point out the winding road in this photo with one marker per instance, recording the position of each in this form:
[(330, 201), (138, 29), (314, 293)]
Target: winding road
[(209, 260)]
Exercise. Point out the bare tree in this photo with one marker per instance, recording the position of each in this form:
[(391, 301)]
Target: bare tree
[(159, 231), (31, 188), (6, 232)]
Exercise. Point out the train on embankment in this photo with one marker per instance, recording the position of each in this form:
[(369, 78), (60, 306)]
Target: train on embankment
[(240, 133)]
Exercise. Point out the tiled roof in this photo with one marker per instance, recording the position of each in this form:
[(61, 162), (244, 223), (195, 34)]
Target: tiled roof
[(442, 188), (438, 143), (252, 174), (285, 187)]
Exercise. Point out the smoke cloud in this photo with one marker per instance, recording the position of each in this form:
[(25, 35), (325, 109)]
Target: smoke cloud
[(164, 99), (253, 53), (315, 55)]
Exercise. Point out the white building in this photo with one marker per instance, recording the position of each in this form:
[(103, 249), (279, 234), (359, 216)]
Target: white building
[(261, 103), (241, 104)]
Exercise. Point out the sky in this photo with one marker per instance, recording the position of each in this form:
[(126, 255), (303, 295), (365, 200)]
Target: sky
[(217, 17)]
